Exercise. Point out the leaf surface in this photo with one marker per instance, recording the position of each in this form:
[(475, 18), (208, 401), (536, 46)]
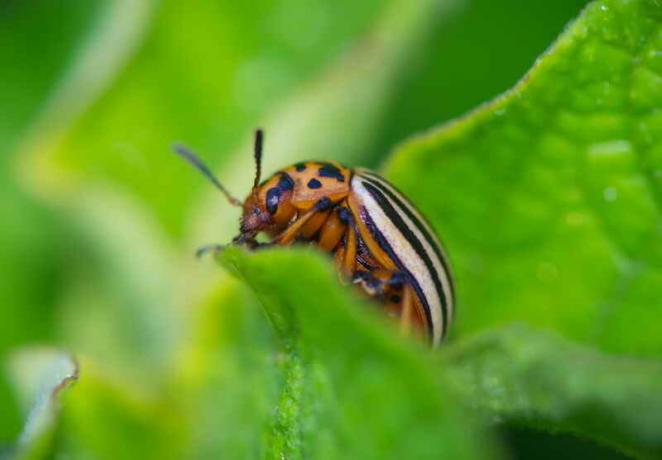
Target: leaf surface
[(548, 198), (522, 376), (348, 389), (40, 375)]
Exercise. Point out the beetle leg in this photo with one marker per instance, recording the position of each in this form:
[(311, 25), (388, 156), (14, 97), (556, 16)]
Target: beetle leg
[(314, 225), (406, 311), (213, 248), (349, 260), (216, 248), (370, 284), (346, 254), (338, 258), (397, 280), (332, 232), (380, 282), (290, 232), (397, 294), (293, 230)]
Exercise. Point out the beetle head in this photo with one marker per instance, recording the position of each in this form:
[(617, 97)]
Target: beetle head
[(255, 217)]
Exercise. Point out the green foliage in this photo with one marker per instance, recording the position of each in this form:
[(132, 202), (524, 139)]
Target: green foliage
[(549, 197), (41, 375), (29, 236), (539, 380), (332, 384), (548, 200)]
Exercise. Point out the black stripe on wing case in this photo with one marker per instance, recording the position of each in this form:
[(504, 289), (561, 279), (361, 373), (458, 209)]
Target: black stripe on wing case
[(393, 215), (386, 247), (415, 217)]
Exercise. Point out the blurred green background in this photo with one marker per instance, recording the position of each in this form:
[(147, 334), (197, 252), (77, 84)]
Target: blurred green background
[(99, 220)]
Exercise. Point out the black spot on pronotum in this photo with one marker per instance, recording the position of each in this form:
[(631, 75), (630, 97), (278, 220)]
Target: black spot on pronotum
[(323, 204), (395, 299), (300, 167), (273, 198), (285, 183), (329, 170), (314, 184)]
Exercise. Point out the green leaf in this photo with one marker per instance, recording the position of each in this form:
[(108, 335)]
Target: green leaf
[(548, 198), (467, 60), (151, 75), (347, 388), (522, 376), (121, 308), (32, 61), (228, 379), (109, 417), (336, 115), (117, 308), (125, 310), (40, 376)]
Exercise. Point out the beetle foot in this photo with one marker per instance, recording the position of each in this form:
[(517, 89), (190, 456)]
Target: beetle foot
[(370, 284), (213, 248)]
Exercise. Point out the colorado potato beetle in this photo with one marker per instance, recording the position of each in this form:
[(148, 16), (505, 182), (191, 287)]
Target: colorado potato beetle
[(378, 239)]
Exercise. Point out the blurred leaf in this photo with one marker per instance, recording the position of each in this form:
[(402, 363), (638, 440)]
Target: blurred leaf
[(123, 308), (228, 378), (476, 53), (549, 197), (29, 283), (548, 206), (520, 375), (32, 60), (108, 417), (526, 442), (122, 303), (128, 295), (195, 74), (347, 389), (40, 376), (336, 115), (37, 42)]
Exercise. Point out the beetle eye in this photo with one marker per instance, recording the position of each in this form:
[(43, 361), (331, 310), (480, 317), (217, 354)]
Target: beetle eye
[(273, 198)]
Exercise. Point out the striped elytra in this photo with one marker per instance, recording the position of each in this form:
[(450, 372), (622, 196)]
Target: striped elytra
[(377, 237)]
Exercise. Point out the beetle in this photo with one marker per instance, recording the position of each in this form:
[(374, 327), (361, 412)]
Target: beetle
[(378, 239)]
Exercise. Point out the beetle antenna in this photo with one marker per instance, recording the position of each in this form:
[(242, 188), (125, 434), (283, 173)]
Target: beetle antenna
[(197, 163), (259, 136)]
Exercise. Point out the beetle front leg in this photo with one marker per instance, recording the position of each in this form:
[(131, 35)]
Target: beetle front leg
[(248, 241), (290, 234), (241, 240), (213, 248)]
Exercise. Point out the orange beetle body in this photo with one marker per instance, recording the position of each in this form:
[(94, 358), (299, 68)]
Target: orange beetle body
[(378, 239), (274, 204)]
